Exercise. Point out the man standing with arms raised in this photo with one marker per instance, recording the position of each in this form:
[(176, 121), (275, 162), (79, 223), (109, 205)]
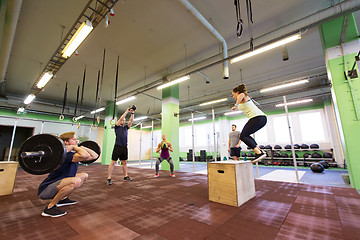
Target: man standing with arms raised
[(120, 149)]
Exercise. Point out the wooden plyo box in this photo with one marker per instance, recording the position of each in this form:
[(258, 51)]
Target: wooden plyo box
[(231, 182), (8, 172)]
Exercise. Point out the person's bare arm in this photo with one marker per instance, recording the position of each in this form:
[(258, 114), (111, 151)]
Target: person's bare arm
[(93, 154), (229, 144), (131, 118), (122, 117), (80, 155), (170, 147), (238, 145), (158, 148), (239, 98)]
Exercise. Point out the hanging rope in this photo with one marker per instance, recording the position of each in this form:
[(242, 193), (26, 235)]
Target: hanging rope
[(249, 18), (113, 120), (239, 26), (93, 125), (77, 101), (64, 103)]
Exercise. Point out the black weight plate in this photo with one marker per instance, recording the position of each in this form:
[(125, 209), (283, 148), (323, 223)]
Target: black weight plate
[(55, 153), (93, 146)]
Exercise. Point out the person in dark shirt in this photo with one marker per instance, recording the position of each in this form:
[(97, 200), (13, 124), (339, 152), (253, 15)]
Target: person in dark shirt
[(60, 183), (120, 149)]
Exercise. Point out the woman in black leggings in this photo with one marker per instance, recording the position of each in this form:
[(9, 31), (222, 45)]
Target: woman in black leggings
[(257, 119)]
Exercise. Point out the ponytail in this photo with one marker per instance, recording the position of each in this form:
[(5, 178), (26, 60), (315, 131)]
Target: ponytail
[(241, 89)]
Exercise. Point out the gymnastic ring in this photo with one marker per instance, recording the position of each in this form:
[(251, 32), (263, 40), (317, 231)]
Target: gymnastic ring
[(61, 117), (78, 125), (113, 122), (93, 126), (98, 119), (74, 119)]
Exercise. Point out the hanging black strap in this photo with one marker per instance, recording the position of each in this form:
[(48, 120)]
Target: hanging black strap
[(116, 83), (64, 100), (102, 73), (249, 19), (249, 10), (77, 99), (96, 96), (82, 90), (239, 26)]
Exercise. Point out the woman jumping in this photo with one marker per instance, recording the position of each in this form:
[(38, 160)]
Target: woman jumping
[(257, 119)]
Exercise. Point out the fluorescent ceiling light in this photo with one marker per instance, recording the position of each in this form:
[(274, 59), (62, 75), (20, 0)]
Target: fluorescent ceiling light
[(45, 78), (197, 118), (79, 117), (178, 80), (295, 102), (147, 127), (232, 113), (79, 36), (140, 118), (266, 48), (215, 101), (285, 85), (29, 98), (98, 110), (125, 100)]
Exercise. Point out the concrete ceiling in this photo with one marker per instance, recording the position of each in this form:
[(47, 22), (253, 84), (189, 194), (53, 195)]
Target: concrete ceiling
[(158, 38)]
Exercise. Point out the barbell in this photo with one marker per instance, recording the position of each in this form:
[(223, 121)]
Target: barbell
[(44, 153)]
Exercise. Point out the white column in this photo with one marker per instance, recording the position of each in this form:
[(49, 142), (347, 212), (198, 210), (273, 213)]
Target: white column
[(152, 142), (291, 140), (12, 139), (140, 143), (193, 140), (214, 131)]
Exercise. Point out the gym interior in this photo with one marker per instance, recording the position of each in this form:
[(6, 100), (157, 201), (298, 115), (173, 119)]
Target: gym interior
[(79, 66)]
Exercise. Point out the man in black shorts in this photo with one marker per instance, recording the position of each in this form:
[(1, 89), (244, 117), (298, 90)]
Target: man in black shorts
[(234, 143), (120, 149), (61, 182)]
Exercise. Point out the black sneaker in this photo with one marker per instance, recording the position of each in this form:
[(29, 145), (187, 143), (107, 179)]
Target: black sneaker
[(52, 212), (108, 182), (66, 202), (259, 157), (127, 178)]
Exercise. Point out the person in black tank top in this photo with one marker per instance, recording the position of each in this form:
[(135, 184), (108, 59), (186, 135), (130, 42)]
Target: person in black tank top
[(60, 183)]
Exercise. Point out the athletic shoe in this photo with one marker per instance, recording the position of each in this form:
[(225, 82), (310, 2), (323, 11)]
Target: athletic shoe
[(259, 157), (108, 182), (52, 212), (127, 178), (156, 175), (172, 175), (66, 202)]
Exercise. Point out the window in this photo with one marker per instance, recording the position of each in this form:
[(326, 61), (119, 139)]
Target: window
[(281, 129), (185, 136), (311, 126), (261, 136)]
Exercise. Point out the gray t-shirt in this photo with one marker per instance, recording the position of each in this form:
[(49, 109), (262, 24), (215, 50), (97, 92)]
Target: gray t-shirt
[(234, 138)]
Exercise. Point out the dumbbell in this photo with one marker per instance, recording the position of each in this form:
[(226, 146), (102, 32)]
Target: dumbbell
[(44, 153)]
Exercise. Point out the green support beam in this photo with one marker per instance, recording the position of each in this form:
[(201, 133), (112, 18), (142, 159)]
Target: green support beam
[(170, 122), (341, 44)]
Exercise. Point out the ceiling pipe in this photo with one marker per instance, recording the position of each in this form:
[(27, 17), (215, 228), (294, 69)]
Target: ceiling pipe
[(191, 9), (309, 21), (10, 11)]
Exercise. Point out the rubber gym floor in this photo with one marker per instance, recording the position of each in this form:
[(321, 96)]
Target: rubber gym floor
[(178, 208)]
